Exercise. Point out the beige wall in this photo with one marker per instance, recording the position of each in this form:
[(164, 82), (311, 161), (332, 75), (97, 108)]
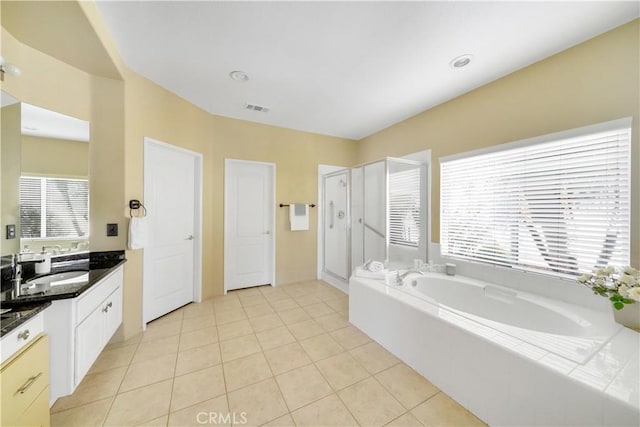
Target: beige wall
[(158, 114), (296, 156), (593, 82), (54, 157)]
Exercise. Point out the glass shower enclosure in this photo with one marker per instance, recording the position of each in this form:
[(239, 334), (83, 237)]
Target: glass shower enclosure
[(375, 211)]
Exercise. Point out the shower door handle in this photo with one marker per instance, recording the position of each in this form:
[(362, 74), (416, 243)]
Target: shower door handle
[(332, 213)]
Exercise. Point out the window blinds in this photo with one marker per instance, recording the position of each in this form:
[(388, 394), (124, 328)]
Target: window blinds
[(54, 208), (404, 207), (559, 206)]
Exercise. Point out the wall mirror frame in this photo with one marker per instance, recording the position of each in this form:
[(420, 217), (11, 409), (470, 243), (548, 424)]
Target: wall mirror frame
[(44, 177)]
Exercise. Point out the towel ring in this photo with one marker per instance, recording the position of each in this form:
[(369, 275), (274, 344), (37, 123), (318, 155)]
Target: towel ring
[(135, 205)]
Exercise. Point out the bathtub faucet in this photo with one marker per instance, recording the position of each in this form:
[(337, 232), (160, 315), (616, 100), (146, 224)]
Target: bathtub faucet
[(400, 276)]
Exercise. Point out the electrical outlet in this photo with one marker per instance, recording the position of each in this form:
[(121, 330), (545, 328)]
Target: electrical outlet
[(112, 230), (11, 231)]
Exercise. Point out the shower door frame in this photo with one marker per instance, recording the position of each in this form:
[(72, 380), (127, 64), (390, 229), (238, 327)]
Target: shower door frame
[(323, 269)]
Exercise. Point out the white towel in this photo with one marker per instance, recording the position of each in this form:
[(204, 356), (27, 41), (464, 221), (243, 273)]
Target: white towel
[(379, 275), (137, 232), (299, 216), (375, 266)]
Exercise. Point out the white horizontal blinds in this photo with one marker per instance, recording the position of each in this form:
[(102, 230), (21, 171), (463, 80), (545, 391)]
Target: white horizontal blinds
[(561, 207), (30, 208), (53, 208), (67, 208), (404, 206)]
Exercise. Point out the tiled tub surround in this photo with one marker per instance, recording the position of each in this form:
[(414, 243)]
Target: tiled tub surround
[(500, 378), (284, 355)]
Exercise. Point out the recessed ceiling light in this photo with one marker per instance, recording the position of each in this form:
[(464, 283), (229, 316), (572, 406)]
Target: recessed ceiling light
[(461, 61), (239, 76)]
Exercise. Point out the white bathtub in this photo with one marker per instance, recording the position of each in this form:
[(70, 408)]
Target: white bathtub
[(510, 357), (564, 329)]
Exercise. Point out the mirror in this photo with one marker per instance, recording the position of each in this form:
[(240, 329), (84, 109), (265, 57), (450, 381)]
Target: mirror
[(45, 180)]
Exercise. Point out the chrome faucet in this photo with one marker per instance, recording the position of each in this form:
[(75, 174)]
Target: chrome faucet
[(400, 276), (16, 273)]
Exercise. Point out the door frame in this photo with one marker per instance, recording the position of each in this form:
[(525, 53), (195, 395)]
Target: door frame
[(148, 144), (228, 162)]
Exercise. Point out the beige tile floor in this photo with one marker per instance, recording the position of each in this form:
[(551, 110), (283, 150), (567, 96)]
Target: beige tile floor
[(278, 356)]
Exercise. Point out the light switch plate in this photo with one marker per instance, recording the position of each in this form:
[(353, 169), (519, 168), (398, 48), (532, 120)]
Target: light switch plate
[(11, 231), (112, 230)]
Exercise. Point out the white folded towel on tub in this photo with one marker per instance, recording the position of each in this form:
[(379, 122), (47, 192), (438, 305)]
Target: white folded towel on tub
[(138, 234), (374, 266), (379, 275)]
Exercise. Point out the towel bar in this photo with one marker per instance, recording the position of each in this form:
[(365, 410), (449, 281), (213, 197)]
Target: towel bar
[(282, 205)]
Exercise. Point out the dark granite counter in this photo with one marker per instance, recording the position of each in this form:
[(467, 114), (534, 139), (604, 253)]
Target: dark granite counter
[(19, 314), (91, 269)]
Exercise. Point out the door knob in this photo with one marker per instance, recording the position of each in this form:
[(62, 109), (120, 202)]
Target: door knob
[(190, 237)]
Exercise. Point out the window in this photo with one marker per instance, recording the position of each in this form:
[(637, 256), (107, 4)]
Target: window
[(404, 204), (54, 208), (558, 204)]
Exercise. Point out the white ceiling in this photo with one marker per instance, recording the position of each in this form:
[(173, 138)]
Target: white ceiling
[(38, 121), (346, 69)]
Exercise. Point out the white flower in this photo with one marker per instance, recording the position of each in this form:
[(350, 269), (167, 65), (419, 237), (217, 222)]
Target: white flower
[(623, 291), (600, 272), (631, 271), (634, 293), (609, 270), (599, 281), (627, 280)]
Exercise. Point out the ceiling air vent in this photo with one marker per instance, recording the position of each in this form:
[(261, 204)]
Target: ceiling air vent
[(259, 108)]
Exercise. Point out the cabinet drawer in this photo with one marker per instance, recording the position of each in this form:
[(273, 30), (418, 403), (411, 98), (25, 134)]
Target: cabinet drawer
[(22, 335), (23, 380), (98, 293), (38, 413)]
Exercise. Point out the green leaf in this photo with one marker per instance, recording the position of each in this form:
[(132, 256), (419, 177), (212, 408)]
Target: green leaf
[(618, 305), (627, 301)]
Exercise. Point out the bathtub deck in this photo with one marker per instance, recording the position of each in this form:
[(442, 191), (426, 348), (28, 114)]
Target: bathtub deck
[(501, 379)]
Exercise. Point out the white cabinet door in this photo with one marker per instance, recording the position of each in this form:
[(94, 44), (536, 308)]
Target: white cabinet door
[(89, 342), (113, 315)]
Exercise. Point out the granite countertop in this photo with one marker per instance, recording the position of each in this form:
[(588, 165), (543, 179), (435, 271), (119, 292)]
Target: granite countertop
[(92, 268), (19, 315)]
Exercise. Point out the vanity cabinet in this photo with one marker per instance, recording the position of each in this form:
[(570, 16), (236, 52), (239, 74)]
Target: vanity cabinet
[(79, 329), (93, 332), (24, 380)]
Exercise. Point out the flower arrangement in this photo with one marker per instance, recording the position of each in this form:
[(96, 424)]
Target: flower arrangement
[(622, 287)]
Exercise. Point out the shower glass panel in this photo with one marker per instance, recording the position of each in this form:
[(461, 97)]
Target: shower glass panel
[(336, 224), (375, 211)]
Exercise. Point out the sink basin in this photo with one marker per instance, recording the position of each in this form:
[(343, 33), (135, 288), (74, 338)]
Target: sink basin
[(56, 279)]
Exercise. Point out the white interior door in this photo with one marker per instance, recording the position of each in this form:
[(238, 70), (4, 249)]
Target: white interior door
[(336, 225), (249, 212), (172, 200)]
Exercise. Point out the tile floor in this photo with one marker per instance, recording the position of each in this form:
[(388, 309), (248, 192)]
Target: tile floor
[(280, 356)]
